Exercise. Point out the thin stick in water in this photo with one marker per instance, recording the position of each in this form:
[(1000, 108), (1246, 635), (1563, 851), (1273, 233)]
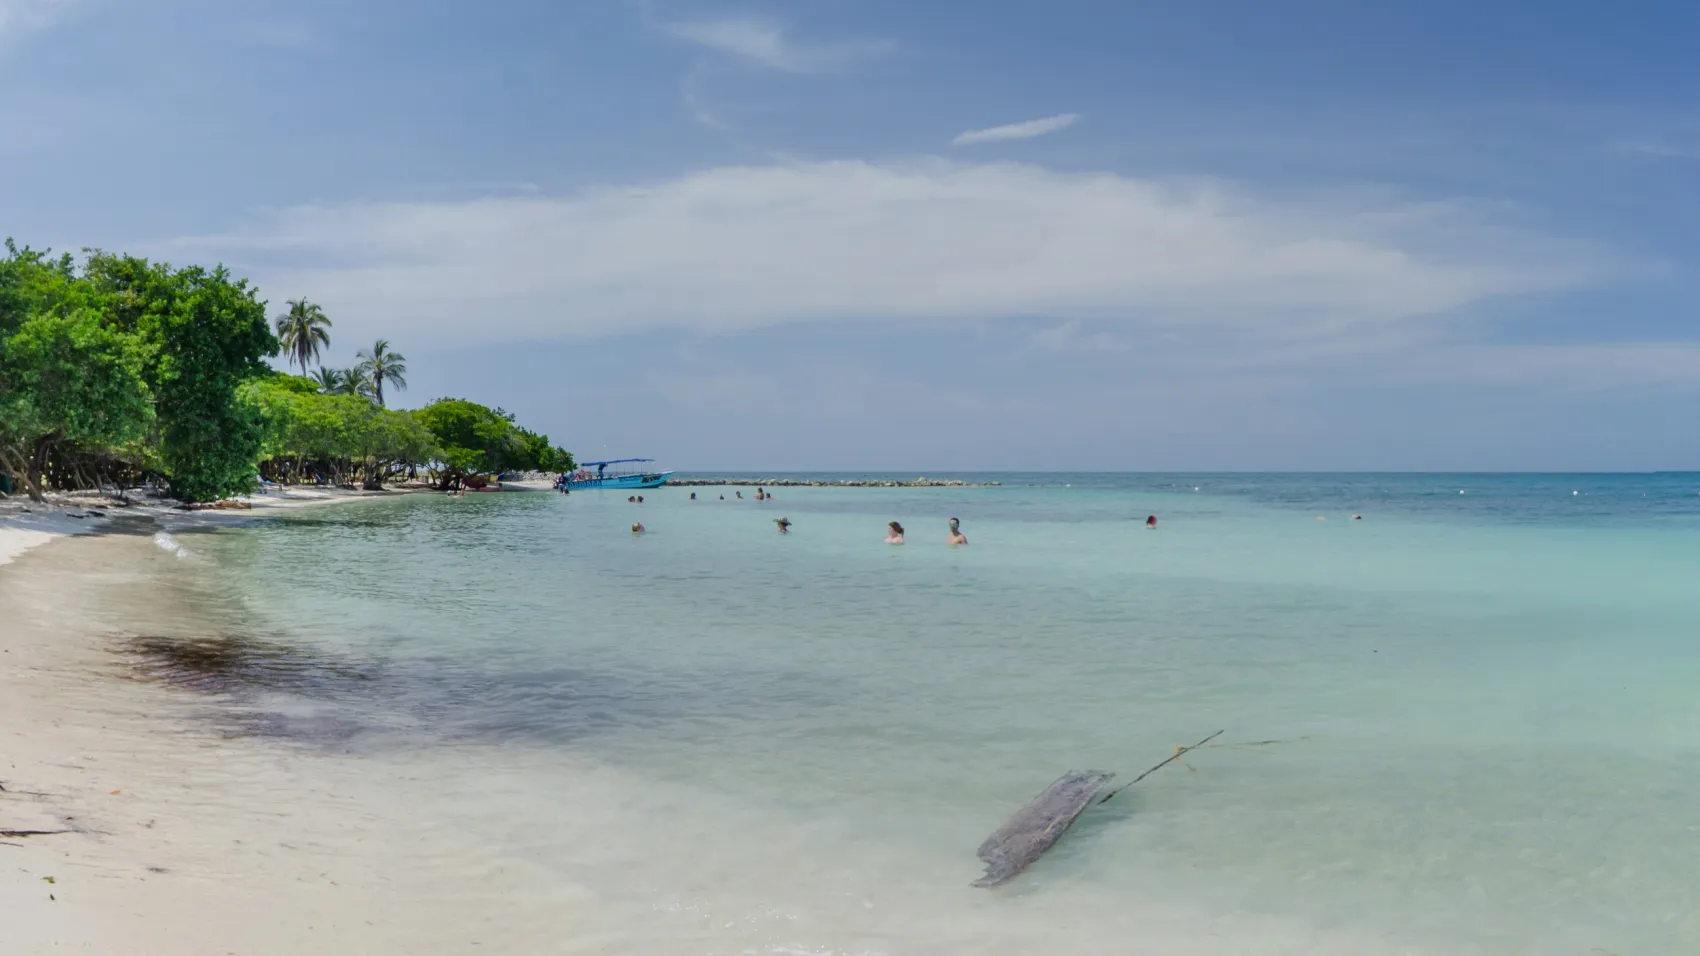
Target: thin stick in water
[(1179, 752)]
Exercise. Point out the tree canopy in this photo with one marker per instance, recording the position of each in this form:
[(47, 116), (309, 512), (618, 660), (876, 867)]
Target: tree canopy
[(473, 438), (66, 377), (115, 368)]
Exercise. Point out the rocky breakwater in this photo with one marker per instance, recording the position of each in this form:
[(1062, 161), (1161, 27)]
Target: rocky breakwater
[(839, 483)]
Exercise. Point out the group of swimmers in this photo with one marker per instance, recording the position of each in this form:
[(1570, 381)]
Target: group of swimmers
[(894, 533), (762, 494), (894, 530)]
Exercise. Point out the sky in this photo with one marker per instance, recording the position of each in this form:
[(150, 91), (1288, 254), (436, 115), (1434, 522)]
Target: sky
[(926, 235)]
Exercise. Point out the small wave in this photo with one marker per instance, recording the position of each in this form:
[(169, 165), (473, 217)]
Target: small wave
[(168, 543)]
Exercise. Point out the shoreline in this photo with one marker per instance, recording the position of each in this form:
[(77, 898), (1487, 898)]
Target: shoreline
[(27, 525), (133, 820), (841, 483)]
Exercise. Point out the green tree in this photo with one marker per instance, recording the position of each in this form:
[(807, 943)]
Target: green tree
[(329, 381), (338, 437), (537, 454), (66, 378), (302, 332), (355, 381), (475, 439), (381, 365), (205, 334)]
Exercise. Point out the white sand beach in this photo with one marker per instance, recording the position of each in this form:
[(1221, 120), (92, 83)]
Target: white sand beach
[(127, 825)]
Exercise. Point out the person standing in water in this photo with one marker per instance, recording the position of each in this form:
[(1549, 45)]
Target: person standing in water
[(896, 533), (956, 535), (1151, 523), (784, 525)]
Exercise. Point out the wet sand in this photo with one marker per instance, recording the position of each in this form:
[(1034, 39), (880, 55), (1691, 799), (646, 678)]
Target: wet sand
[(178, 837)]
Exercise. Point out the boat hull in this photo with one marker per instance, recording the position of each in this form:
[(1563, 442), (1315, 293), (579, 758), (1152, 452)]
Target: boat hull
[(654, 479)]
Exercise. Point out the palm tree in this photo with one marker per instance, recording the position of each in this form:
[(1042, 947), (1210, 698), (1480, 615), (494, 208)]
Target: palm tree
[(330, 380), (302, 332), (382, 365), (356, 381)]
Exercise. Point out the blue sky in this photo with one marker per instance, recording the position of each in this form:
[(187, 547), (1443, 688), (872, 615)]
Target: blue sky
[(927, 235)]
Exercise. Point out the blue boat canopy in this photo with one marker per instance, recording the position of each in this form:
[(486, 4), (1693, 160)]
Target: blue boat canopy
[(616, 461)]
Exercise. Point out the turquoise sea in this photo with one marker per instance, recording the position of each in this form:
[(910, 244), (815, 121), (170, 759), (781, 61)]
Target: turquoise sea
[(1484, 699)]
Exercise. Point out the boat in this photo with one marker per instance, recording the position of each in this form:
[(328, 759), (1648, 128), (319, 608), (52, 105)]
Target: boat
[(619, 473)]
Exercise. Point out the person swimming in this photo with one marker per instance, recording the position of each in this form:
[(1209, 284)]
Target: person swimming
[(956, 535), (896, 535), (631, 499), (739, 494), (784, 525), (693, 496), (1151, 522), (637, 527), (640, 499)]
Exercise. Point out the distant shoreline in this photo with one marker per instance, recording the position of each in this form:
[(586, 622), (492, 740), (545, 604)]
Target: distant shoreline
[(840, 483)]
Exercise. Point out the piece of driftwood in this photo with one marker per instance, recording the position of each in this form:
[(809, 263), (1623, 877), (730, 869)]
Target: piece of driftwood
[(1035, 827)]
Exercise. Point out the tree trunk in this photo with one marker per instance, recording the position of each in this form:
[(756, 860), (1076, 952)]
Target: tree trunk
[(37, 462)]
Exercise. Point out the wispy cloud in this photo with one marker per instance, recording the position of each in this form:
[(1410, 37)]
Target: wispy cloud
[(745, 247), (689, 88), (1658, 151), (1070, 336), (768, 44), (1025, 130)]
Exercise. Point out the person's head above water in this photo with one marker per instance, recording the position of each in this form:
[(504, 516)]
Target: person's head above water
[(783, 523), (1151, 522), (896, 529), (637, 527)]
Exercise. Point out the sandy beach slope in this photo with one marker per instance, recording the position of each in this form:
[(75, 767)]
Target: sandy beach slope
[(179, 840)]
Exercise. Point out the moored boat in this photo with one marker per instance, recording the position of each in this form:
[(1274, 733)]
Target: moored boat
[(619, 473)]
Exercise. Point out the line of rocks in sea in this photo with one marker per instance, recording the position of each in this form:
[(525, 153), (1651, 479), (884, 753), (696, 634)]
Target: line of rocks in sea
[(841, 483)]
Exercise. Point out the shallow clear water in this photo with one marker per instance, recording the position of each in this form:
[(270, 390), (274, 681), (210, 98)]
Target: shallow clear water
[(737, 741)]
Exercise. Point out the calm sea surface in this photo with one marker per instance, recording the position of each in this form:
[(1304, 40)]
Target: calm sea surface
[(1484, 697)]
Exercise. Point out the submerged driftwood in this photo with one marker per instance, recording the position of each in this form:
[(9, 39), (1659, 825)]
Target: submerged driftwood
[(1037, 826), (1028, 834)]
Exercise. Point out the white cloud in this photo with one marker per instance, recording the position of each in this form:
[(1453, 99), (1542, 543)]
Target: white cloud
[(766, 43), (745, 247), (1025, 130)]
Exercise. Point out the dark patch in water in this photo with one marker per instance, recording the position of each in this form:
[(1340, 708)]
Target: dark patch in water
[(245, 670), (319, 729), (232, 663)]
